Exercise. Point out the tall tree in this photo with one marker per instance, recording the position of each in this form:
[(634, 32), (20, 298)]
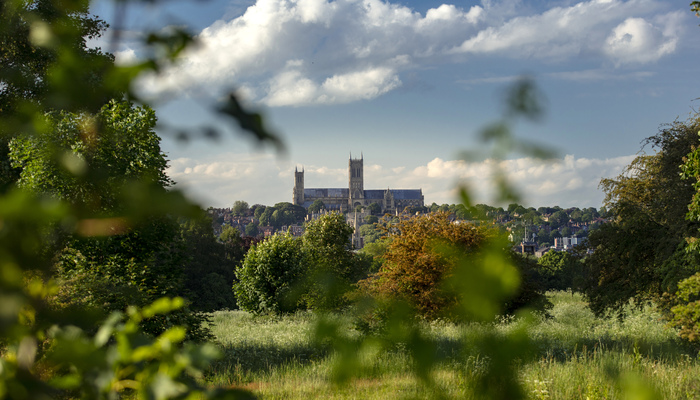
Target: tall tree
[(240, 208), (640, 254), (37, 37)]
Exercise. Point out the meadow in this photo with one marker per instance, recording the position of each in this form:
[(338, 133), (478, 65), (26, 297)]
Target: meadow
[(573, 355)]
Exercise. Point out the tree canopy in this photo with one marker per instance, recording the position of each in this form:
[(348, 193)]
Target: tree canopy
[(641, 253)]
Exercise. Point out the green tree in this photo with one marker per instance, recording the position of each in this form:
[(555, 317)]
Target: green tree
[(560, 270), (270, 272), (209, 264), (640, 254), (266, 216), (332, 266), (240, 208), (68, 161), (316, 206), (370, 233), (375, 208), (252, 229), (259, 210)]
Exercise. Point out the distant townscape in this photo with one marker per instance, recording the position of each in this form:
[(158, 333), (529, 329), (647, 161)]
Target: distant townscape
[(532, 230), (536, 231)]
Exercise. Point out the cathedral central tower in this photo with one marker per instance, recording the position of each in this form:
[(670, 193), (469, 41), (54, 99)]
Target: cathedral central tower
[(356, 181)]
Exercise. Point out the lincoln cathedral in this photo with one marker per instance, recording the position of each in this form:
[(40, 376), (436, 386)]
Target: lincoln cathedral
[(344, 199)]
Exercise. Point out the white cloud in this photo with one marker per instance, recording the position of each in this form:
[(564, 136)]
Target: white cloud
[(301, 52), (566, 182), (592, 27), (637, 40)]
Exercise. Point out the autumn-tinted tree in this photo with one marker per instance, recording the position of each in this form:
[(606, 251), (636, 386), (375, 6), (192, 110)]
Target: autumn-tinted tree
[(415, 264)]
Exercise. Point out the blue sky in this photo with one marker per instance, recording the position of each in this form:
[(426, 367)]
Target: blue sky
[(410, 85)]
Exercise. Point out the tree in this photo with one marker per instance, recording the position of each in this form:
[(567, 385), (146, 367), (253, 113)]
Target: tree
[(332, 265), (640, 254), (558, 218), (27, 65), (316, 206), (270, 273), (132, 263), (259, 210), (209, 264), (375, 208), (92, 171), (369, 233), (422, 252), (252, 229), (240, 208), (229, 234), (560, 270)]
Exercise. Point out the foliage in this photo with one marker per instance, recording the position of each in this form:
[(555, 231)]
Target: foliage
[(560, 270), (240, 208), (316, 206), (252, 229), (119, 360), (332, 265), (423, 252), (283, 274), (686, 311), (282, 214), (640, 254), (97, 214), (209, 264), (68, 160), (376, 250), (370, 233), (374, 208), (269, 273)]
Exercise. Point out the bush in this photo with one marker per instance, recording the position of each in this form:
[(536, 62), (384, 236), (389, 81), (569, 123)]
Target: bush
[(270, 271)]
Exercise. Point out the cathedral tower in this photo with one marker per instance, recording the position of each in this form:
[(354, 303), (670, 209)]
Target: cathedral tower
[(356, 182), (298, 192)]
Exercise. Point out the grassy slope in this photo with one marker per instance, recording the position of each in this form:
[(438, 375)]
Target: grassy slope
[(576, 357)]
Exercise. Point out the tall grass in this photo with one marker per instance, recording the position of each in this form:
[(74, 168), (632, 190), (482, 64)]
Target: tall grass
[(575, 356)]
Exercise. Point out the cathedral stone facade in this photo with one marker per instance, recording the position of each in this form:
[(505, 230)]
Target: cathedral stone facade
[(344, 199)]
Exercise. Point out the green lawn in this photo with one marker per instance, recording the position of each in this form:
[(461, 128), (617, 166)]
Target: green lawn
[(574, 355)]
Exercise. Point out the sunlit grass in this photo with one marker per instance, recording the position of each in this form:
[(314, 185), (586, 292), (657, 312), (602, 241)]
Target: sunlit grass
[(576, 356)]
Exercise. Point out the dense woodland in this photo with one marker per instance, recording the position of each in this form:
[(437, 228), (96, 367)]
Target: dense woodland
[(109, 274)]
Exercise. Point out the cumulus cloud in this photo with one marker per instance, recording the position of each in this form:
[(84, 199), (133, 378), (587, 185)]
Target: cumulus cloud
[(304, 52), (569, 181), (637, 40)]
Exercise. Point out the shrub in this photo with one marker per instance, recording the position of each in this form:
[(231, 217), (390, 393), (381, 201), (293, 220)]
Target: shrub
[(270, 271)]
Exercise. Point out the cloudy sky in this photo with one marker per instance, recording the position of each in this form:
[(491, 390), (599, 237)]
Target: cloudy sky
[(410, 85)]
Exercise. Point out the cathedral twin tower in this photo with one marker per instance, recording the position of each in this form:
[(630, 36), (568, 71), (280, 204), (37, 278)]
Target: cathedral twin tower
[(343, 199)]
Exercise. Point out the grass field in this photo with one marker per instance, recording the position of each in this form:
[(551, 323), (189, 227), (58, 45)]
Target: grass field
[(574, 355)]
